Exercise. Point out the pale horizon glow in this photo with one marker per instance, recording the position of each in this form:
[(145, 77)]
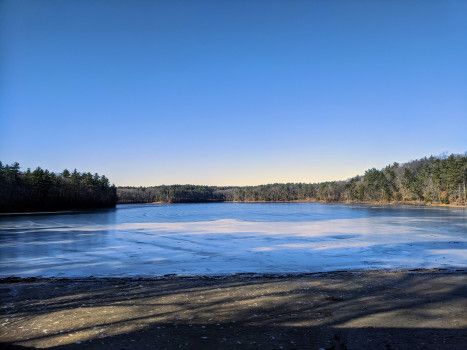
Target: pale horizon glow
[(240, 177), (230, 93), (331, 172)]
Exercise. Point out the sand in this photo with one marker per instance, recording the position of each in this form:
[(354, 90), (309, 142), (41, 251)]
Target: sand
[(423, 309)]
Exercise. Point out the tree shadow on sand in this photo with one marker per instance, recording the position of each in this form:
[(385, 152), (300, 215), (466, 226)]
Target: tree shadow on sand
[(342, 310)]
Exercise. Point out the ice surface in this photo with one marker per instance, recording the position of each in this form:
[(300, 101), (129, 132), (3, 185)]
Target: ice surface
[(153, 240)]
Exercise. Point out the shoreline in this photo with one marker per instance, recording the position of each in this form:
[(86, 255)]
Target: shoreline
[(417, 309), (378, 204), (68, 211), (214, 277), (381, 204)]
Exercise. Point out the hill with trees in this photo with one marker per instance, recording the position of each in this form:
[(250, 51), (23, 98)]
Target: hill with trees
[(42, 190), (433, 180)]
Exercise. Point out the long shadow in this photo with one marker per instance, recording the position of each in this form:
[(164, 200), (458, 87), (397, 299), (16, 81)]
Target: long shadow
[(228, 336), (372, 310)]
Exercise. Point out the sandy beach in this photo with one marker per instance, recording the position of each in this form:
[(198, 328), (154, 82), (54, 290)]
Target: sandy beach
[(418, 309)]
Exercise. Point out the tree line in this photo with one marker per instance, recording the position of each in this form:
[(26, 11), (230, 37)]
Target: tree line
[(42, 190), (436, 180)]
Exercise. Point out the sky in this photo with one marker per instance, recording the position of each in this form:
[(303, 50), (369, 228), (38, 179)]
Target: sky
[(230, 92)]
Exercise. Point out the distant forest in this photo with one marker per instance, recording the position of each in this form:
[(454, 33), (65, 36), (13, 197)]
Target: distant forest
[(435, 180), (42, 190)]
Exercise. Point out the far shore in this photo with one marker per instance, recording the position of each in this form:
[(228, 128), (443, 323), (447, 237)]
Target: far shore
[(70, 211), (379, 204), (382, 204)]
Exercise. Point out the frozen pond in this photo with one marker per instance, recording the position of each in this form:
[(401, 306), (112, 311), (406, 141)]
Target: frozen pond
[(221, 238)]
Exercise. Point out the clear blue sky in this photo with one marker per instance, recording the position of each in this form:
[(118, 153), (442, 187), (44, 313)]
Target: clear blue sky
[(230, 92)]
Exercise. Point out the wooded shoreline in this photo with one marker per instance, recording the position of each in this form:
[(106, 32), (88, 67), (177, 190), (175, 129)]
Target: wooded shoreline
[(378, 204), (427, 181), (433, 181)]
